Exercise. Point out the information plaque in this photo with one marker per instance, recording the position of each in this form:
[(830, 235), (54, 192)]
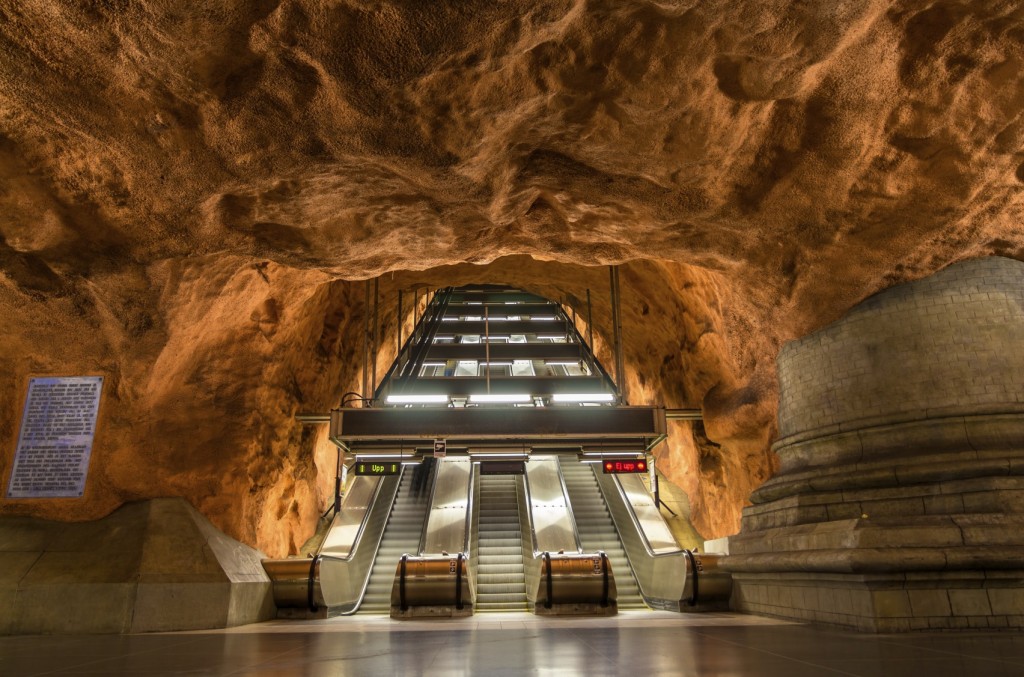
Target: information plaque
[(55, 442)]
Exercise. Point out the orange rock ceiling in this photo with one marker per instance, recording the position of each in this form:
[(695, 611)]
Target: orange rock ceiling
[(192, 193)]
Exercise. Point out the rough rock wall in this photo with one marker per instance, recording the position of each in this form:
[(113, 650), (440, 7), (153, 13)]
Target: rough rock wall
[(185, 189)]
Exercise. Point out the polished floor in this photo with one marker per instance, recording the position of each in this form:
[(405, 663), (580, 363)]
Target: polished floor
[(633, 643)]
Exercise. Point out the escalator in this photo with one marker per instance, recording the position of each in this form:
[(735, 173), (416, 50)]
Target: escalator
[(501, 581), (401, 535), (597, 530)]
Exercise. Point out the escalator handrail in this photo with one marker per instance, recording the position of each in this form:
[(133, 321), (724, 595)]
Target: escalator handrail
[(458, 581), (550, 582), (639, 528), (693, 568), (369, 571), (402, 566), (314, 574), (430, 502), (470, 502), (359, 534), (605, 587)]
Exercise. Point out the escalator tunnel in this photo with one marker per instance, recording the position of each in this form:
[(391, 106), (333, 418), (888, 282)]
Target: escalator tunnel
[(525, 508)]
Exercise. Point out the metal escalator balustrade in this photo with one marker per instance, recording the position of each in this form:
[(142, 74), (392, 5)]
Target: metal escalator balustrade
[(597, 530), (669, 576), (435, 579), (401, 535), (501, 579)]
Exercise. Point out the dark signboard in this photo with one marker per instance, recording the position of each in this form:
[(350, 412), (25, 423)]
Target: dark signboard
[(502, 467)]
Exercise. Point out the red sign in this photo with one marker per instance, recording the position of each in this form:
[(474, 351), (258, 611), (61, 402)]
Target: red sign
[(613, 467)]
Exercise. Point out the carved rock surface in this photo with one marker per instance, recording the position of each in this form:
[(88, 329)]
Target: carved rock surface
[(191, 193)]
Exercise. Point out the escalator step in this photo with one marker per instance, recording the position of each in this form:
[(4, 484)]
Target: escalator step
[(503, 544), (505, 567), (597, 529), (500, 578), (491, 590), (505, 596)]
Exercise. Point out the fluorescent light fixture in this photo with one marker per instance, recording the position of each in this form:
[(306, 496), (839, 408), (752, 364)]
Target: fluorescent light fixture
[(583, 397), (553, 337), (505, 363), (498, 456), (563, 363), (500, 399), (417, 399), (542, 318), (618, 453), (435, 364)]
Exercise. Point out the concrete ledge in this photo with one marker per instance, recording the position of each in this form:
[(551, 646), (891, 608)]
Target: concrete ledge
[(1000, 430), (150, 566), (924, 417), (886, 602)]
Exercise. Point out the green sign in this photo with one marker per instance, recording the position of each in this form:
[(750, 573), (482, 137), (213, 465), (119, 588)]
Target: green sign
[(377, 468)]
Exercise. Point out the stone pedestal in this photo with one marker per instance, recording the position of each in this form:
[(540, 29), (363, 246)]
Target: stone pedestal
[(899, 504), (149, 566)]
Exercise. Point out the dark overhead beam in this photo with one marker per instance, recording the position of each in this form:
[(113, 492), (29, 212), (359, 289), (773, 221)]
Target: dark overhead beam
[(493, 423)]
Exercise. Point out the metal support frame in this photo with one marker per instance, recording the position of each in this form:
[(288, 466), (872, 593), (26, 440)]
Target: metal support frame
[(398, 348), (376, 332), (620, 376), (590, 323), (366, 344)]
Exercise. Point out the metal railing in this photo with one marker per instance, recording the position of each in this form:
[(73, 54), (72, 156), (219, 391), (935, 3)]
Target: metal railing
[(669, 576), (334, 580)]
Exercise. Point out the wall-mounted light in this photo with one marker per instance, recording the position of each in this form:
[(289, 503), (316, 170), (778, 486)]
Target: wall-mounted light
[(477, 456)]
